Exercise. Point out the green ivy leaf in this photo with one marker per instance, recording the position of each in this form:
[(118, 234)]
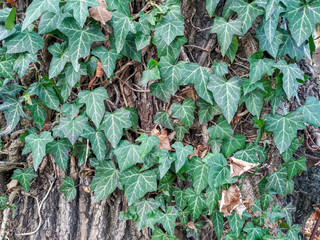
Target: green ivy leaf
[(37, 8), (247, 12), (295, 144), (81, 150), (97, 140), (79, 9), (219, 171), (24, 177), (182, 154), (94, 101), (151, 74), (220, 68), (184, 112), (180, 130), (179, 198), (291, 73), (114, 123), (222, 130), (213, 197), (147, 143), (50, 21), (105, 180), (302, 17), (270, 6), (128, 155), (162, 117), (168, 219), (73, 128), (38, 113), (287, 211), (71, 110), (4, 13), (38, 144), (211, 6), (196, 202), (60, 152), (198, 170), (232, 50), (226, 94), (254, 233), (310, 111), (138, 184), (3, 200), (295, 165), (6, 66), (229, 146), (146, 210), (158, 234), (108, 59), (271, 47), (160, 90), (68, 188), (277, 181), (130, 49), (259, 66), (248, 154), (79, 39), (119, 5), (284, 128), (207, 111), (22, 63), (293, 232), (236, 223), (134, 117), (217, 222), (254, 101), (165, 161), (59, 58), (171, 25), (225, 31)]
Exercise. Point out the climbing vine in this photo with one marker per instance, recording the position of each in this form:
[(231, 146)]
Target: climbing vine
[(86, 39)]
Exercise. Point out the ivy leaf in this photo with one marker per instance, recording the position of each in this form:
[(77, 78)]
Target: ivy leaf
[(219, 171), (196, 202), (254, 101), (108, 59), (287, 210), (198, 170), (284, 128), (151, 74), (24, 177), (13, 110), (137, 184), (302, 18), (6, 66), (80, 9), (254, 233), (60, 152), (59, 58), (179, 198), (271, 47), (168, 219), (270, 7), (222, 130), (182, 154), (38, 144), (180, 130), (105, 180), (247, 12), (207, 111), (38, 113), (232, 50), (119, 5), (198, 76), (122, 25), (259, 66), (147, 143), (114, 123), (277, 181), (80, 39), (38, 7), (24, 42), (4, 13), (162, 117), (295, 165), (291, 73), (236, 223), (225, 31), (213, 197), (22, 63), (231, 145), (295, 144), (146, 210), (220, 68), (217, 222), (50, 21), (127, 155), (248, 154), (184, 112), (165, 161), (72, 128), (71, 110), (68, 188), (310, 111), (171, 25), (160, 90), (159, 235), (97, 140), (293, 232), (130, 49), (226, 94), (211, 6), (94, 101)]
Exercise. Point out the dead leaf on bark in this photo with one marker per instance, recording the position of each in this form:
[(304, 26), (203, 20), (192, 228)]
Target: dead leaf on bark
[(231, 200), (163, 138), (101, 12), (191, 225), (99, 73), (12, 185), (238, 166)]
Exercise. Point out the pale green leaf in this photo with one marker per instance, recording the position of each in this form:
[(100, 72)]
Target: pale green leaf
[(73, 128), (253, 233), (259, 66), (97, 140), (198, 170), (179, 198), (6, 66), (147, 143), (207, 111), (165, 161), (161, 91), (196, 202), (229, 146), (213, 196), (310, 111), (108, 59), (232, 50), (254, 101), (184, 112), (211, 6), (180, 130), (217, 222), (21, 65), (60, 152), (68, 188), (24, 42), (226, 94), (50, 21), (151, 74), (182, 154), (146, 210), (222, 130), (38, 113), (220, 68), (271, 47), (162, 117), (236, 223), (168, 219), (119, 5), (38, 144), (24, 177), (159, 235), (59, 58), (295, 165), (71, 110), (128, 155), (277, 181)]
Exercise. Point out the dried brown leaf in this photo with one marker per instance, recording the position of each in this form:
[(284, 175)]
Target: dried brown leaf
[(101, 12), (191, 225), (163, 138), (231, 200), (12, 185), (99, 73), (238, 166)]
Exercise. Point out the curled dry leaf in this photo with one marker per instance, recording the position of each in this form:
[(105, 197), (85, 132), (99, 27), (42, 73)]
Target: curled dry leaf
[(101, 12), (231, 200), (12, 185), (191, 225), (99, 73), (163, 138), (238, 166)]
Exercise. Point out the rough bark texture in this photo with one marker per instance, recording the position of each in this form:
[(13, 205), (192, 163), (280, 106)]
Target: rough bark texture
[(84, 219)]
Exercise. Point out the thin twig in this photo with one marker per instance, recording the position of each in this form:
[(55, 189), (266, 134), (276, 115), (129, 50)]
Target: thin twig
[(198, 28)]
